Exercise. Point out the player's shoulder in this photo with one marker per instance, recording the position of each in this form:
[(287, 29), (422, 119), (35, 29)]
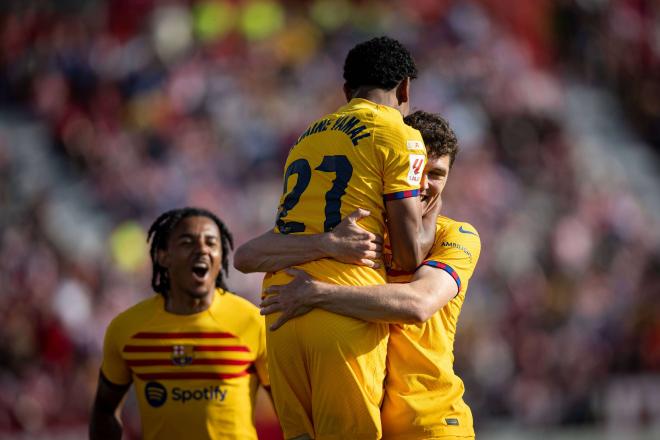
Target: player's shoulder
[(238, 304), (459, 236), (447, 226), (137, 314), (390, 125)]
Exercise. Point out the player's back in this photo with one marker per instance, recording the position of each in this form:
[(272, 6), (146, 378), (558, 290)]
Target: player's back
[(354, 158), (357, 157)]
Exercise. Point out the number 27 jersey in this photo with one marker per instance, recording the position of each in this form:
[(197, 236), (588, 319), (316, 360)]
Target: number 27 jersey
[(358, 157)]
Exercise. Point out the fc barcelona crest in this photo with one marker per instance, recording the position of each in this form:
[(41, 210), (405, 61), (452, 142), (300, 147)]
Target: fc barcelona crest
[(182, 354)]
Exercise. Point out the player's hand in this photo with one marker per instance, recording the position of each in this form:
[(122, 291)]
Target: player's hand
[(432, 206), (290, 299), (350, 243)]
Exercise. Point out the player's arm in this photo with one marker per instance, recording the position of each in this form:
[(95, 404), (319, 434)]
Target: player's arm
[(105, 422), (429, 290), (402, 156), (411, 234), (347, 242)]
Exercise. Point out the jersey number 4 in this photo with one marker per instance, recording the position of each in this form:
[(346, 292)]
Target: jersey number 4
[(331, 164)]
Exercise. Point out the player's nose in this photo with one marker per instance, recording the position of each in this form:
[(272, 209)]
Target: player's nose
[(201, 246), (423, 183)]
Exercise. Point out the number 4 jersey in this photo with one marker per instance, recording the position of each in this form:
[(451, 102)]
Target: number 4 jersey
[(358, 157)]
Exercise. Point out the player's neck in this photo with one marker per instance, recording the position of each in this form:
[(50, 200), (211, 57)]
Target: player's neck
[(180, 303), (377, 96)]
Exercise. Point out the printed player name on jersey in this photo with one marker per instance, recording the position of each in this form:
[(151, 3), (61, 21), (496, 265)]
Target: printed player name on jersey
[(350, 125)]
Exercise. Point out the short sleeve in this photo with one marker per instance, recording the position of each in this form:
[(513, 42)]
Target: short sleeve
[(114, 366), (456, 251), (261, 362), (403, 156)]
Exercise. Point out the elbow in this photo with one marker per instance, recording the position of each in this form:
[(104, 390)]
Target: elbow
[(409, 262), (413, 315), (419, 315), (423, 309), (242, 260)]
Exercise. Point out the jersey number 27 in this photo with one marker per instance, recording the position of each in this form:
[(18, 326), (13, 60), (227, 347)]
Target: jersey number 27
[(331, 164)]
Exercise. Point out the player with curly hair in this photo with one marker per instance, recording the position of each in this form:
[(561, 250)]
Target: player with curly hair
[(194, 351), (328, 370)]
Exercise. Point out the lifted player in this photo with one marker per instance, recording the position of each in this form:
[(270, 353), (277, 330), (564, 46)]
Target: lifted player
[(363, 155)]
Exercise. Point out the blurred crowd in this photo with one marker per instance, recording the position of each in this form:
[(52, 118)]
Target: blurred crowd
[(145, 105)]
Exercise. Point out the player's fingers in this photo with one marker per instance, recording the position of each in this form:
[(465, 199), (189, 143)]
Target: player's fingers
[(370, 263), (365, 262), (358, 214), (371, 255), (378, 240), (277, 307), (272, 290), (268, 301), (376, 247), (368, 237)]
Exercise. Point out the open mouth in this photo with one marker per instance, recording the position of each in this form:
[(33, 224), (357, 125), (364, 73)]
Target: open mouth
[(200, 270)]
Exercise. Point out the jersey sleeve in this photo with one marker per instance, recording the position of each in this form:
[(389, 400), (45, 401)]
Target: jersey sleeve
[(456, 251), (403, 156), (114, 366), (261, 362)]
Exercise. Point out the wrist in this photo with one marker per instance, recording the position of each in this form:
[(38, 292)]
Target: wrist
[(318, 294), (325, 244)]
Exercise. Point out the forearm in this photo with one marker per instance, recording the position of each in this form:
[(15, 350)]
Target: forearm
[(104, 426), (392, 303), (271, 252), (406, 226)]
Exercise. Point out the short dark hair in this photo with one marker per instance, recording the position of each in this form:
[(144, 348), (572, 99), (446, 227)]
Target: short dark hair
[(159, 234), (438, 136), (381, 62)]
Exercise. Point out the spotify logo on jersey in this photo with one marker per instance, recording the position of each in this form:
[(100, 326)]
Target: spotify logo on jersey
[(155, 393)]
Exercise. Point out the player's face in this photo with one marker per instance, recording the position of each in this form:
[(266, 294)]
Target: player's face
[(193, 256), (435, 177)]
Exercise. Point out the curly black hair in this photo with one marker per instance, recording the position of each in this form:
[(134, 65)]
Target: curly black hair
[(438, 136), (381, 62), (159, 234)]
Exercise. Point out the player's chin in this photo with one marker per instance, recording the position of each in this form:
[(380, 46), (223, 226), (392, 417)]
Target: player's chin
[(198, 291), (199, 288)]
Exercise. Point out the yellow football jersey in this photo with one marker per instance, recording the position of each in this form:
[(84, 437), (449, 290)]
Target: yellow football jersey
[(327, 370), (195, 376), (358, 157), (423, 395)]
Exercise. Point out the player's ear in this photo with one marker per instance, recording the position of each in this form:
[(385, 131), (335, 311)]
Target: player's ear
[(403, 91), (163, 258), (348, 93)]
